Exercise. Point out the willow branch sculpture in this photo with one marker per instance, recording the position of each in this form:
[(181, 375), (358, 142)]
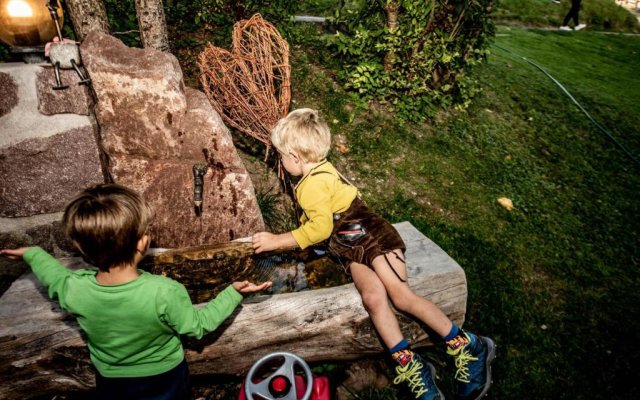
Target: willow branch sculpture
[(249, 86)]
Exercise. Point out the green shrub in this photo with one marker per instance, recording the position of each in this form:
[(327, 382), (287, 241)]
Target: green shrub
[(4, 52), (223, 12), (419, 64)]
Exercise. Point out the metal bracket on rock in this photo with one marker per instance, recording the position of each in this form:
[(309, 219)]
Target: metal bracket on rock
[(199, 171)]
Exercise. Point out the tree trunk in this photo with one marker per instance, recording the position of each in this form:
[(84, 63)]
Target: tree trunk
[(391, 9), (153, 26), (42, 351), (87, 16)]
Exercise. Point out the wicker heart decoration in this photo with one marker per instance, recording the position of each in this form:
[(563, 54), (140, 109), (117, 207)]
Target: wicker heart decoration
[(249, 86)]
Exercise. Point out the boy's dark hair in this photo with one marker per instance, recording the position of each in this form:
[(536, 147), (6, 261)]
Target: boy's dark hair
[(105, 222)]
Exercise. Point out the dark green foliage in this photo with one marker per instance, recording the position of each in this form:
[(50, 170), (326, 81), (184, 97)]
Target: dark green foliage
[(274, 213), (420, 65), (122, 18), (4, 52), (217, 17), (188, 17), (223, 12)]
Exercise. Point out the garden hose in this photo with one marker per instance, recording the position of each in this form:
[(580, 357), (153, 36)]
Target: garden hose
[(600, 127)]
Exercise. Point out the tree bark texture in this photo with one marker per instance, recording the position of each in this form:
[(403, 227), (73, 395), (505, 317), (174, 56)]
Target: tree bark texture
[(87, 16), (152, 23), (43, 352), (391, 10)]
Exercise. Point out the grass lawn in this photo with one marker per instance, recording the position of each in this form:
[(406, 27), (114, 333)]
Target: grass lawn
[(555, 281), (597, 14)]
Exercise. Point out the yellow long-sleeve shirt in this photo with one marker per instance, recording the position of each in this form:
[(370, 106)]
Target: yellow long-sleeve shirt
[(320, 193)]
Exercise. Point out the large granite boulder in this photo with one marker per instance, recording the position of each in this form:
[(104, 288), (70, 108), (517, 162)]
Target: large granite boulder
[(154, 130)]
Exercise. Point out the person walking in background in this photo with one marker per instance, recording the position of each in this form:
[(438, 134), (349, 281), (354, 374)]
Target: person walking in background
[(573, 14)]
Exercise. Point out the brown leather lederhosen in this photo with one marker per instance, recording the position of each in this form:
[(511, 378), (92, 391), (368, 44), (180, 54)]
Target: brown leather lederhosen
[(380, 237)]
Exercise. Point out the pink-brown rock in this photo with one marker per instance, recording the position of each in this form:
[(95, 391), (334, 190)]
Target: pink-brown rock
[(73, 100), (40, 175), (9, 93), (154, 130)]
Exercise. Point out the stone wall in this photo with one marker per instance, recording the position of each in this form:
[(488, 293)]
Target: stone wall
[(45, 157)]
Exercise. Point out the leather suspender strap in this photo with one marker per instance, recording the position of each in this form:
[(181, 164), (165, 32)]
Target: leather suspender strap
[(391, 266)]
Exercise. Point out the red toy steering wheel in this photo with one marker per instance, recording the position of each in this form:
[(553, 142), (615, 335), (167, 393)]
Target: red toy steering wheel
[(281, 384)]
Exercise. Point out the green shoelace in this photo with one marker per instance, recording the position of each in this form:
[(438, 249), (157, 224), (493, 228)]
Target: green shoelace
[(411, 373)]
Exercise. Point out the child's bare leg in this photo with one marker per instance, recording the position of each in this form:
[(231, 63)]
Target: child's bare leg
[(473, 354), (411, 368), (403, 298), (376, 302)]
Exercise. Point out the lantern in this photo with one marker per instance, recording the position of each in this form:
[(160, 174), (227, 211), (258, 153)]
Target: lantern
[(26, 25)]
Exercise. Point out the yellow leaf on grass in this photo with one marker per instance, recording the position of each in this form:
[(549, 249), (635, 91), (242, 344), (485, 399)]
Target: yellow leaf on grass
[(506, 203)]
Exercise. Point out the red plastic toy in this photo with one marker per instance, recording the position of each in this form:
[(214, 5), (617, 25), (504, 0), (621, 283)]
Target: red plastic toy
[(284, 383)]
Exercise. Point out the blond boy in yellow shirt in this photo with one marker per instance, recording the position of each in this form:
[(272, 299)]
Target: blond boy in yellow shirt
[(374, 254)]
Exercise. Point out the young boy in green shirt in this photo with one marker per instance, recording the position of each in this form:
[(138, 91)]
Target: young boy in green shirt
[(133, 319), (374, 251)]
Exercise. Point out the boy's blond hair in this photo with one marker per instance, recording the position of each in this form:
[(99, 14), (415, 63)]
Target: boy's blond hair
[(105, 223), (304, 132)]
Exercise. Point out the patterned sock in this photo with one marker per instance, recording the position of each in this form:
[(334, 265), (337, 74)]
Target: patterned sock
[(403, 344), (452, 333), (458, 341), (401, 353)]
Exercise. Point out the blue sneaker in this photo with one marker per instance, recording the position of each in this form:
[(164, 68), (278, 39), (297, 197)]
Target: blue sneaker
[(473, 356), (418, 374)]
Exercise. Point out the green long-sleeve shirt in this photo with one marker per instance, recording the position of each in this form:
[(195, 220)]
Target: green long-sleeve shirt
[(132, 329)]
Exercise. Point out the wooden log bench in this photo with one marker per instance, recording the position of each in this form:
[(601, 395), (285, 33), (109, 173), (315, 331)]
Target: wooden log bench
[(43, 352)]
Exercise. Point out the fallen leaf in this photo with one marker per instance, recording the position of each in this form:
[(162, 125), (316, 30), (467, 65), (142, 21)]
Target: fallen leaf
[(506, 203)]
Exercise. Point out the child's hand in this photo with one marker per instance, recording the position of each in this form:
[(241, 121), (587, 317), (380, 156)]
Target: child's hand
[(14, 254), (265, 241), (248, 287)]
